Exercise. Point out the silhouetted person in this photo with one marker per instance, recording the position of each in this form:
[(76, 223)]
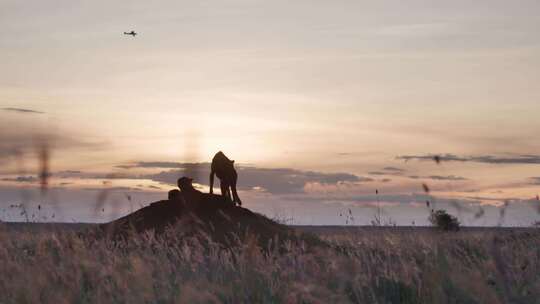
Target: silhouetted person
[(223, 168), (194, 197), (187, 190), (174, 195)]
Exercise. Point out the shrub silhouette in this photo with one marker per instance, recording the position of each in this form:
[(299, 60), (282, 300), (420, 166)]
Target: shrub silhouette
[(444, 221)]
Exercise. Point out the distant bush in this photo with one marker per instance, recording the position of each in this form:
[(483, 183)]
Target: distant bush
[(444, 221)]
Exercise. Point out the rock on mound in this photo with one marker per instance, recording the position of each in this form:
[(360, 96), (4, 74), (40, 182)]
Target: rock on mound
[(201, 214)]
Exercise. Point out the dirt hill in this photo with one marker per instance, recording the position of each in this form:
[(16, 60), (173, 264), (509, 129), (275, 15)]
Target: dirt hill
[(201, 214)]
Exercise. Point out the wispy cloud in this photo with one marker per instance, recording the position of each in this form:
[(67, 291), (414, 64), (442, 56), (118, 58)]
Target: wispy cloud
[(388, 171), (378, 173), (487, 159), (393, 169), (158, 164), (113, 189), (19, 138), (439, 177), (535, 180), (23, 111), (21, 179), (415, 199), (273, 180)]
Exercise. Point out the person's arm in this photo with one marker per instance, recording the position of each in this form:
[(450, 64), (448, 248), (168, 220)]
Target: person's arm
[(234, 193), (212, 181)]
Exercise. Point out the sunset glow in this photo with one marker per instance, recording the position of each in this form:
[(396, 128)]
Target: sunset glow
[(319, 108)]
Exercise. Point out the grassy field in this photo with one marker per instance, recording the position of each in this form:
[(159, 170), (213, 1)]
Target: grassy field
[(54, 264)]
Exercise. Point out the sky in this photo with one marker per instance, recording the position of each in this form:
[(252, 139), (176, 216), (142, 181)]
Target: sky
[(326, 106)]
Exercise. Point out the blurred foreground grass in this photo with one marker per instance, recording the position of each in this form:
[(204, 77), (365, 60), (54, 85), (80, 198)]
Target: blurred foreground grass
[(390, 265)]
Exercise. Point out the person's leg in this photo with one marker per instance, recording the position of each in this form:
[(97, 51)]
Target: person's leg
[(236, 199), (212, 181), (225, 190)]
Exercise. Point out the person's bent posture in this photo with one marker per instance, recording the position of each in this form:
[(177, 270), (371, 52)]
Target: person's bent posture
[(174, 195), (223, 168), (187, 191), (195, 197)]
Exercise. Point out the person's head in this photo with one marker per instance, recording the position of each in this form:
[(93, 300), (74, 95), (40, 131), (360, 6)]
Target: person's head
[(184, 183), (174, 195)]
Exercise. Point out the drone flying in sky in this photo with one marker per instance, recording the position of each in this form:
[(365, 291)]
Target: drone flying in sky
[(132, 33)]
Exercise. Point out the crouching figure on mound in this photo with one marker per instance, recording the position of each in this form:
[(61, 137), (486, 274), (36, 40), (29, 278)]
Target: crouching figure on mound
[(223, 168), (193, 197)]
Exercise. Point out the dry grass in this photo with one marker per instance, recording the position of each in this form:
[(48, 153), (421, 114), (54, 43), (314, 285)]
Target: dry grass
[(371, 266)]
